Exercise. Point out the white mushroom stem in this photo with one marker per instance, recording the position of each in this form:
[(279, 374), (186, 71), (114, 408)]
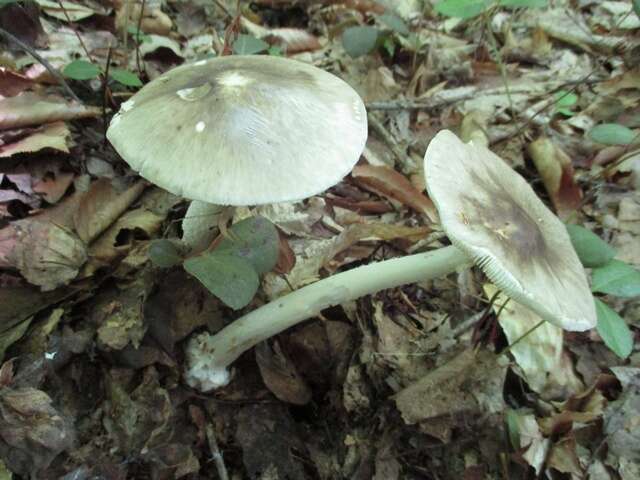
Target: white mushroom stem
[(209, 356), (199, 226)]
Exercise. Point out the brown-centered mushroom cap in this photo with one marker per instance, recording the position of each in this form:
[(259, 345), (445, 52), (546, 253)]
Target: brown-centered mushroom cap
[(242, 130), (492, 214)]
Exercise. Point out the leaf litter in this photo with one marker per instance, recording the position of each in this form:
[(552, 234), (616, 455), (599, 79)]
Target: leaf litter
[(417, 382)]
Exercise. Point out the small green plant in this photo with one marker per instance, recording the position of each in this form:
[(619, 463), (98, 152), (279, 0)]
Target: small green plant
[(612, 134), (83, 70), (364, 39), (231, 270), (564, 101), (466, 9), (609, 277)]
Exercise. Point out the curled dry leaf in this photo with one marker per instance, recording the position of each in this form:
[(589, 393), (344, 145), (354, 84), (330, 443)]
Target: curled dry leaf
[(389, 183), (45, 253), (280, 374), (556, 170), (32, 432), (291, 40), (153, 21), (13, 83), (53, 135), (545, 367), (101, 206), (32, 109)]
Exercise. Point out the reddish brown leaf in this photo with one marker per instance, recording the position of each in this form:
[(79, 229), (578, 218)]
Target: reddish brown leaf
[(286, 257), (389, 183), (12, 83), (556, 170)]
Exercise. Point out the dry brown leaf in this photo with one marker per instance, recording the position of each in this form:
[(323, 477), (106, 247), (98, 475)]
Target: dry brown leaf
[(280, 374), (291, 40), (469, 384), (32, 109), (52, 135), (45, 253), (556, 170), (12, 83), (32, 431), (389, 183), (101, 206)]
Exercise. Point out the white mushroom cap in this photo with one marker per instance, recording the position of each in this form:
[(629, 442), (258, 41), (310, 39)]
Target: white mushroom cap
[(242, 130), (492, 214)]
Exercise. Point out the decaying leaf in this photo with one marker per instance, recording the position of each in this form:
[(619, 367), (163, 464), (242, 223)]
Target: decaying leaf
[(388, 182), (102, 205), (32, 431), (556, 170), (53, 135), (545, 367), (45, 253), (469, 385), (280, 374), (32, 109)]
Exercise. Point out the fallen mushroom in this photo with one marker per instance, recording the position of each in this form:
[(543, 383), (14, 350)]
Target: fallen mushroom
[(493, 219), (241, 130)]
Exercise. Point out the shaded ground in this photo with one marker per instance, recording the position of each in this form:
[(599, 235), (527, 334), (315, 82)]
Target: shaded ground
[(408, 383)]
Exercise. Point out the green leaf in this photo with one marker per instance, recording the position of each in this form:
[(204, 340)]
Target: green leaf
[(7, 2), (230, 278), (81, 70), (612, 134), (616, 278), (636, 7), (125, 77), (614, 330), (249, 45), (524, 3), (591, 249), (395, 23), (565, 99), (463, 9), (275, 51), (163, 253), (138, 35), (256, 240), (358, 41), (513, 428), (389, 45)]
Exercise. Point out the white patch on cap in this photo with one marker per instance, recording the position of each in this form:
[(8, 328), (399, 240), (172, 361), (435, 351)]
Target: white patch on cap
[(126, 106), (115, 120), (234, 79), (200, 126), (199, 63), (185, 93)]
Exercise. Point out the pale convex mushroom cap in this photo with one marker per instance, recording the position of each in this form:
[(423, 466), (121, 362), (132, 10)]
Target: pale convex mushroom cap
[(492, 214), (242, 130)]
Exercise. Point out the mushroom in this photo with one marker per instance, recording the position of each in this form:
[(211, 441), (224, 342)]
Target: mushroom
[(493, 219), (241, 130)]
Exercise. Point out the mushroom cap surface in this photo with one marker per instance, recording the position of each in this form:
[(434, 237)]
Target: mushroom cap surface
[(492, 214), (242, 130)]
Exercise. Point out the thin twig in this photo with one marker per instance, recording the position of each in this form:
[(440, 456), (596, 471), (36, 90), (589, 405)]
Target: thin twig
[(138, 42), (84, 47), (216, 455), (375, 124), (105, 93), (45, 63)]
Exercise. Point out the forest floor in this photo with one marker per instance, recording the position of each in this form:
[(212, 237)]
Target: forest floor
[(414, 382)]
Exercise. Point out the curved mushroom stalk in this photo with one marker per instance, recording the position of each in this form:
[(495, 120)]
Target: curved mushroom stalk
[(493, 218), (209, 356)]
